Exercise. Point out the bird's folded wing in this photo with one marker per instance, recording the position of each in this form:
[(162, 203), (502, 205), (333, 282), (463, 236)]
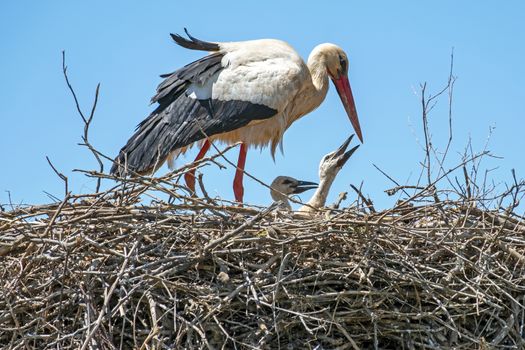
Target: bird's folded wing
[(209, 96)]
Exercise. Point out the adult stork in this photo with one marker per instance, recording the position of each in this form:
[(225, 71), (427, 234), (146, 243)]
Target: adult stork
[(247, 91), (331, 163)]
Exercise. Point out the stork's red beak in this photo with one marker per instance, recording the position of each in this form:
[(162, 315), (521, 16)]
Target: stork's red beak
[(345, 93)]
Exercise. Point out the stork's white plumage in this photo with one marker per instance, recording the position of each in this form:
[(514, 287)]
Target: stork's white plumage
[(248, 92)]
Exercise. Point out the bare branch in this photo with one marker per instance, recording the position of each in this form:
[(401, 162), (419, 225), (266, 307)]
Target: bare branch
[(368, 203), (60, 175), (87, 121)]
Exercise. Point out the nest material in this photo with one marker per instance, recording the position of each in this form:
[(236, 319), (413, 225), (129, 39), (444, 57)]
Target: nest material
[(103, 271)]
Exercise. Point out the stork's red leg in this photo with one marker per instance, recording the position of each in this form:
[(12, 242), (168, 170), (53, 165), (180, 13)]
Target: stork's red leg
[(238, 189), (189, 177)]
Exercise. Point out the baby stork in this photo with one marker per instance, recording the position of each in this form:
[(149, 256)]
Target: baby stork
[(283, 186)]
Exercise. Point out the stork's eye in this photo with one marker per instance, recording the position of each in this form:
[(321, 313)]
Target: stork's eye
[(342, 63), (286, 182)]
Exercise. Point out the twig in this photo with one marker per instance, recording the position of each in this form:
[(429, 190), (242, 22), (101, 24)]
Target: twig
[(60, 175), (365, 200), (87, 121)]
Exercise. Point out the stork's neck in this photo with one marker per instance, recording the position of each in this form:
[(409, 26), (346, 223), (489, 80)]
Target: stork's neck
[(318, 200), (315, 88), (317, 67)]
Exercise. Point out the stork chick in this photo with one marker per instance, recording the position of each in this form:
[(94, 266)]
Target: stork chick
[(329, 167), (284, 186)]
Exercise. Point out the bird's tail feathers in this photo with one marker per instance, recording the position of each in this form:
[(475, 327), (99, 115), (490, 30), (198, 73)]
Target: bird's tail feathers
[(194, 43)]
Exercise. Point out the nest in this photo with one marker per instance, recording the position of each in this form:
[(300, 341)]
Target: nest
[(108, 271)]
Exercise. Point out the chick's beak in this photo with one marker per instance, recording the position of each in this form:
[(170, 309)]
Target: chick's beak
[(304, 186), (344, 156)]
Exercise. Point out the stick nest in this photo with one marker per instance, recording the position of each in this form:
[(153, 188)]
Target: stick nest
[(107, 271)]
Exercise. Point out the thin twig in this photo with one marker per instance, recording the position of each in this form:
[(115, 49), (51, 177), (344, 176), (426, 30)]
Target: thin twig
[(87, 121)]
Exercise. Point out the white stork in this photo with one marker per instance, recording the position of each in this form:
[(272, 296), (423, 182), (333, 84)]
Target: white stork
[(248, 92), (329, 167)]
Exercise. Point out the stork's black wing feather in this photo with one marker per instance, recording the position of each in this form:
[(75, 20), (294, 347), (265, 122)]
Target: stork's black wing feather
[(196, 72), (180, 120)]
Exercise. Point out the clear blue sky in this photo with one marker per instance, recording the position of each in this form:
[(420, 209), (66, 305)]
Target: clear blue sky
[(393, 46)]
